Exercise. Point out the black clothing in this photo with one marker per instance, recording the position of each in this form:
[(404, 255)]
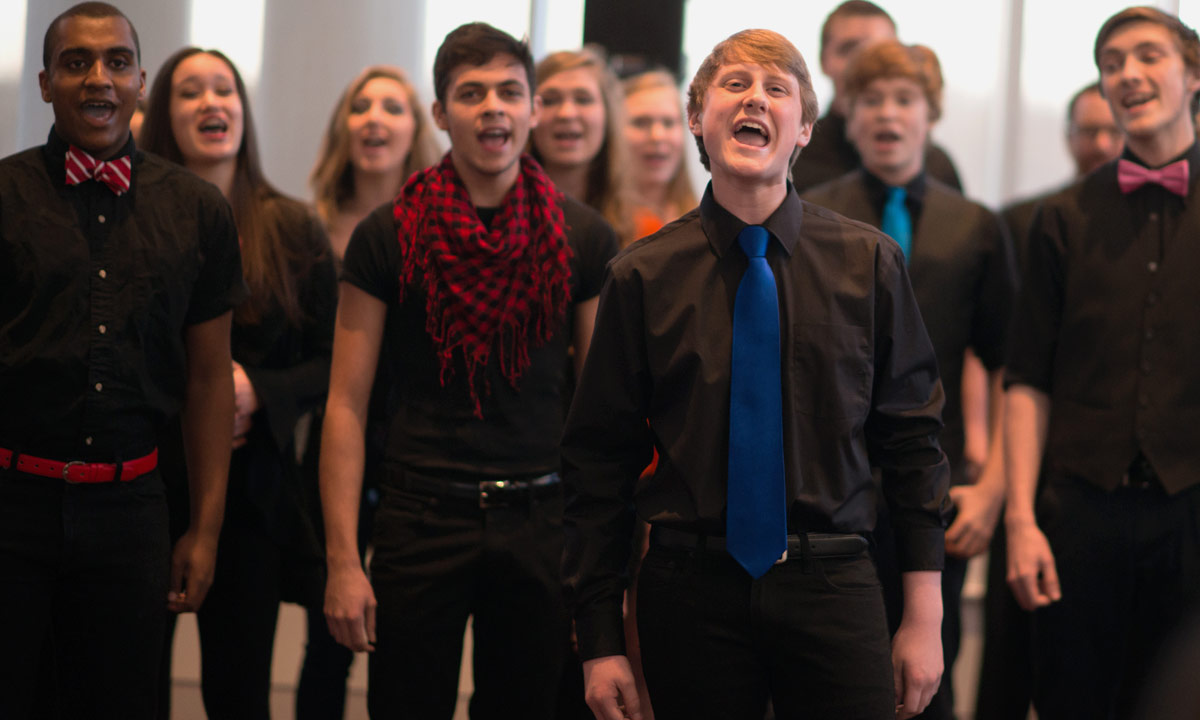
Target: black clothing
[(1105, 326), (434, 428), (829, 155), (95, 290), (962, 270), (810, 635), (439, 556), (860, 388), (963, 276)]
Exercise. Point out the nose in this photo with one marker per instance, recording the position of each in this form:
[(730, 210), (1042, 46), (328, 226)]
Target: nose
[(98, 74), (658, 130), (756, 97), (492, 107)]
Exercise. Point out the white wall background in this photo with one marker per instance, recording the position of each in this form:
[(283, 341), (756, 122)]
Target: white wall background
[(1010, 65)]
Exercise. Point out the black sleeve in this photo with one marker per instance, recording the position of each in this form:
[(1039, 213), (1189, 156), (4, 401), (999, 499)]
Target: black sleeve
[(372, 261), (906, 418), (996, 293), (594, 243), (288, 392), (606, 445), (1038, 315), (219, 286)]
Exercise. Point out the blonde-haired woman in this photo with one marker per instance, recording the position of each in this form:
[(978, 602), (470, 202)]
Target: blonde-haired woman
[(654, 135), (378, 136), (579, 139)]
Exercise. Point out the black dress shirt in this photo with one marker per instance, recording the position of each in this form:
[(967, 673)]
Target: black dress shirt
[(963, 276), (1106, 326), (860, 389), (829, 155), (95, 293), (434, 429)]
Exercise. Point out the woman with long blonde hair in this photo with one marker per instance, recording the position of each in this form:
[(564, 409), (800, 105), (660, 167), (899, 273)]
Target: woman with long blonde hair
[(654, 133), (579, 138), (378, 136)]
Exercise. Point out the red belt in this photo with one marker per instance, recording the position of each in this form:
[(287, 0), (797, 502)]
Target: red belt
[(76, 471)]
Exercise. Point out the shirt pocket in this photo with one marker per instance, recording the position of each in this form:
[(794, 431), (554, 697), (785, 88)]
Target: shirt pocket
[(833, 370)]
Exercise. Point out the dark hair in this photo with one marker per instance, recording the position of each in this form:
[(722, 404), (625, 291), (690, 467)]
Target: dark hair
[(1185, 38), (272, 258), (852, 8), (476, 44), (91, 10), (1092, 88)]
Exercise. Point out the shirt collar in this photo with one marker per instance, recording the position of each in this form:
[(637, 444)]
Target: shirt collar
[(877, 191), (722, 227), (55, 152), (1192, 155)]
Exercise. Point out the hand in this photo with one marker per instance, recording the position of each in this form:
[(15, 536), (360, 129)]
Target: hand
[(1032, 573), (192, 564), (917, 666), (978, 510), (245, 404), (350, 609), (609, 688)]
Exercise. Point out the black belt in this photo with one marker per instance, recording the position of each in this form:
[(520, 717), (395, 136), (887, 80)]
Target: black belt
[(488, 493), (819, 544)]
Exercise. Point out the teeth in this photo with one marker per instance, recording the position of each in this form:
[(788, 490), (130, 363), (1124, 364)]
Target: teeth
[(750, 125)]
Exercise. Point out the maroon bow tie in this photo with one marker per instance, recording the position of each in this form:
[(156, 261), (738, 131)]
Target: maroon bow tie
[(1173, 177), (114, 173)]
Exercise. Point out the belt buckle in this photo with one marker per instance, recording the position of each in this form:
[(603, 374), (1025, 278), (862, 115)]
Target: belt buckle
[(66, 473), (490, 486)]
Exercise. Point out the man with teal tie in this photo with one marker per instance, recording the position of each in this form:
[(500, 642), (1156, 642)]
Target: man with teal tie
[(963, 274), (778, 354)]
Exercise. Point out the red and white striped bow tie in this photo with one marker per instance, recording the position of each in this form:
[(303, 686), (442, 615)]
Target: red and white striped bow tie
[(114, 173)]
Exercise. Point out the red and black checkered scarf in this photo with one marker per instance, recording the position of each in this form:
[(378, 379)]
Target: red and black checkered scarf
[(504, 288)]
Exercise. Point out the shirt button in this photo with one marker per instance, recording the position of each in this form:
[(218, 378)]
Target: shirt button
[(87, 440), (1145, 367), (1143, 400), (1152, 266), (101, 218), (1149, 333), (99, 387), (103, 329), (103, 274), (1153, 217), (1152, 298)]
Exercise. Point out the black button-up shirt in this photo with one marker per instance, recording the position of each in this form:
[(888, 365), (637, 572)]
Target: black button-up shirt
[(95, 292), (1106, 325), (860, 388)]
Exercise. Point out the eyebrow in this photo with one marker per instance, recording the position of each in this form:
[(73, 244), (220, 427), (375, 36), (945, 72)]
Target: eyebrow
[(115, 50)]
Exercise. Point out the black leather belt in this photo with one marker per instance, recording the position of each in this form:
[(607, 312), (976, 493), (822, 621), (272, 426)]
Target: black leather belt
[(820, 544), (487, 493)]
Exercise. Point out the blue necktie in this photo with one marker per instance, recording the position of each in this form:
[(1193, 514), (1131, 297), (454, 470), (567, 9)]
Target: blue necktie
[(896, 221), (756, 504)]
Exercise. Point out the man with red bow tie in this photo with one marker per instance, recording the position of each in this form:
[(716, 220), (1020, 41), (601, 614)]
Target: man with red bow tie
[(118, 272), (1103, 400)]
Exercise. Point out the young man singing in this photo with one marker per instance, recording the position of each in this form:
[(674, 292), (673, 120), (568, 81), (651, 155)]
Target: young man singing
[(778, 353), (471, 287)]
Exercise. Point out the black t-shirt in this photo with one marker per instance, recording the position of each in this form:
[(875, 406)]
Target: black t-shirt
[(96, 291), (433, 427)]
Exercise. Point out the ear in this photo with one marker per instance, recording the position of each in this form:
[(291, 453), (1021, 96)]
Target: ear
[(536, 116), (439, 115), (805, 135), (44, 84), (695, 122), (142, 89)]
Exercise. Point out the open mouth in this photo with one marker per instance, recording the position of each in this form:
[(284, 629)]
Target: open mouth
[(214, 128), (887, 136), (752, 133), (374, 142), (567, 135), (494, 139), (99, 110), (1132, 101)]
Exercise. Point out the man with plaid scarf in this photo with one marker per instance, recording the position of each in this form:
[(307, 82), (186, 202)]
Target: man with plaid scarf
[(466, 297)]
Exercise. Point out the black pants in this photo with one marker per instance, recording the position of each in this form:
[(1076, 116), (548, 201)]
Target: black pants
[(1006, 672), (87, 567), (716, 643), (1129, 565), (438, 561), (941, 707)]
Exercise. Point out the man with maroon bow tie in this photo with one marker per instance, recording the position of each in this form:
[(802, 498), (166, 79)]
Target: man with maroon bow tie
[(1104, 389), (118, 272)]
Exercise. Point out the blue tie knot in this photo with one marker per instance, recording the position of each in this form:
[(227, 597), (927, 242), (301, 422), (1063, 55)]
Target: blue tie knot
[(753, 239), (896, 196)]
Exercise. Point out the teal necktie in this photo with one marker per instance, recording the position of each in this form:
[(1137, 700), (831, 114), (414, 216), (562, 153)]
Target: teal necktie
[(756, 503), (896, 221)]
